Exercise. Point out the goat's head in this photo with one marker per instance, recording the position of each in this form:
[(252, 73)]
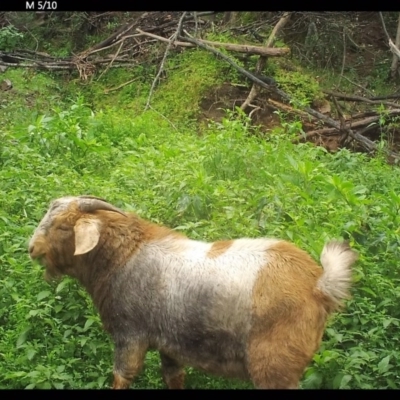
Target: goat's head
[(69, 229)]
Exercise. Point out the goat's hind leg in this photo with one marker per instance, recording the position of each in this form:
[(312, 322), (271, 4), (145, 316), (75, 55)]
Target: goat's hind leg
[(129, 359), (172, 372), (275, 365)]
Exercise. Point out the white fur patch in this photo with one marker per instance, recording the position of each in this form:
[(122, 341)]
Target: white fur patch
[(189, 277), (336, 259)]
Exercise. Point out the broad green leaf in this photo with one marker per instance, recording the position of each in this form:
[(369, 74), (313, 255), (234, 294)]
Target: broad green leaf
[(22, 337), (43, 295), (383, 366)]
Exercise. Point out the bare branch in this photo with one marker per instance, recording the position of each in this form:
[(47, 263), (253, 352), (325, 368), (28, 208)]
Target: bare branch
[(354, 125), (228, 60), (394, 48), (359, 98), (359, 86), (240, 48), (384, 25), (344, 55), (263, 60), (163, 39), (106, 91), (111, 62), (174, 36)]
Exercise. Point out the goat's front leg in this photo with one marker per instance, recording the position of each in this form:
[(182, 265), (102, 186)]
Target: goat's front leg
[(129, 358)]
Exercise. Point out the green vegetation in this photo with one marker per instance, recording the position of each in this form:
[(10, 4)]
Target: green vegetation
[(232, 181)]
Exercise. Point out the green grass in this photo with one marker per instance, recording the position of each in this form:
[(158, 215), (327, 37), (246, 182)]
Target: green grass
[(228, 183)]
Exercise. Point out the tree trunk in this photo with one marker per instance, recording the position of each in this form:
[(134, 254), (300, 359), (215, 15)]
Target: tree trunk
[(394, 69)]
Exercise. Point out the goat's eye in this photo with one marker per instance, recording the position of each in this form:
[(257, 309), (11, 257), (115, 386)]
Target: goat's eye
[(63, 227)]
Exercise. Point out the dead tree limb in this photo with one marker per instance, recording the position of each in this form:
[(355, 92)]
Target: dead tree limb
[(359, 98), (106, 91), (227, 59), (111, 39), (257, 50), (263, 60), (286, 108), (240, 48), (389, 96), (364, 89), (174, 37), (112, 60), (344, 55), (366, 143), (163, 39), (394, 47)]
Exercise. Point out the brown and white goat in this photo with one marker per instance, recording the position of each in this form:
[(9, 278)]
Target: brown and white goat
[(254, 309)]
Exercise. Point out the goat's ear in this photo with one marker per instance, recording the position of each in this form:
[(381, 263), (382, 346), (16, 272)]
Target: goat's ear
[(87, 235)]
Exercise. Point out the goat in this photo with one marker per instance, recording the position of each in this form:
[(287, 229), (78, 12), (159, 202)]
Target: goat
[(254, 309)]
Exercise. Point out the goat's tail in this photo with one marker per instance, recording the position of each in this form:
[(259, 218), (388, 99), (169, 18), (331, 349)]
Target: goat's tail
[(335, 282)]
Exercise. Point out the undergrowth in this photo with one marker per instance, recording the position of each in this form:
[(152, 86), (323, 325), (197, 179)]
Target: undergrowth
[(226, 184)]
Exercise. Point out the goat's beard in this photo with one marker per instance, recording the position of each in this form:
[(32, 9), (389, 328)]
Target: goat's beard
[(51, 275)]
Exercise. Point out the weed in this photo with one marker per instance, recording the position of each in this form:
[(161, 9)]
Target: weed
[(226, 184)]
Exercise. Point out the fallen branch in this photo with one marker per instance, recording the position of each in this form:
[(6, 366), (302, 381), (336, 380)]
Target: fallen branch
[(113, 38), (106, 91), (359, 98), (263, 60), (163, 39), (389, 96), (229, 61), (286, 108), (396, 53), (317, 132), (257, 50), (394, 49), (330, 131), (240, 48), (123, 38), (366, 143), (344, 55), (174, 36), (344, 137), (112, 61), (359, 86)]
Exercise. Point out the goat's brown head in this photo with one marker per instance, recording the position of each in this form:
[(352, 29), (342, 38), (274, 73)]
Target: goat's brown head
[(68, 229)]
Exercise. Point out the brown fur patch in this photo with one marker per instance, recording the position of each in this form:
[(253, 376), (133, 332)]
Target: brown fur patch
[(120, 382), (219, 248), (288, 319), (156, 232), (172, 372), (176, 382), (129, 359)]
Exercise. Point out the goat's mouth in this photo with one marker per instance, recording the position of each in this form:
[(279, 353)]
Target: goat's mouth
[(36, 254), (40, 259), (51, 276)]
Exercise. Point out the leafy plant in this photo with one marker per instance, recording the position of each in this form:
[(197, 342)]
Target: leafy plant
[(10, 38), (230, 182)]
